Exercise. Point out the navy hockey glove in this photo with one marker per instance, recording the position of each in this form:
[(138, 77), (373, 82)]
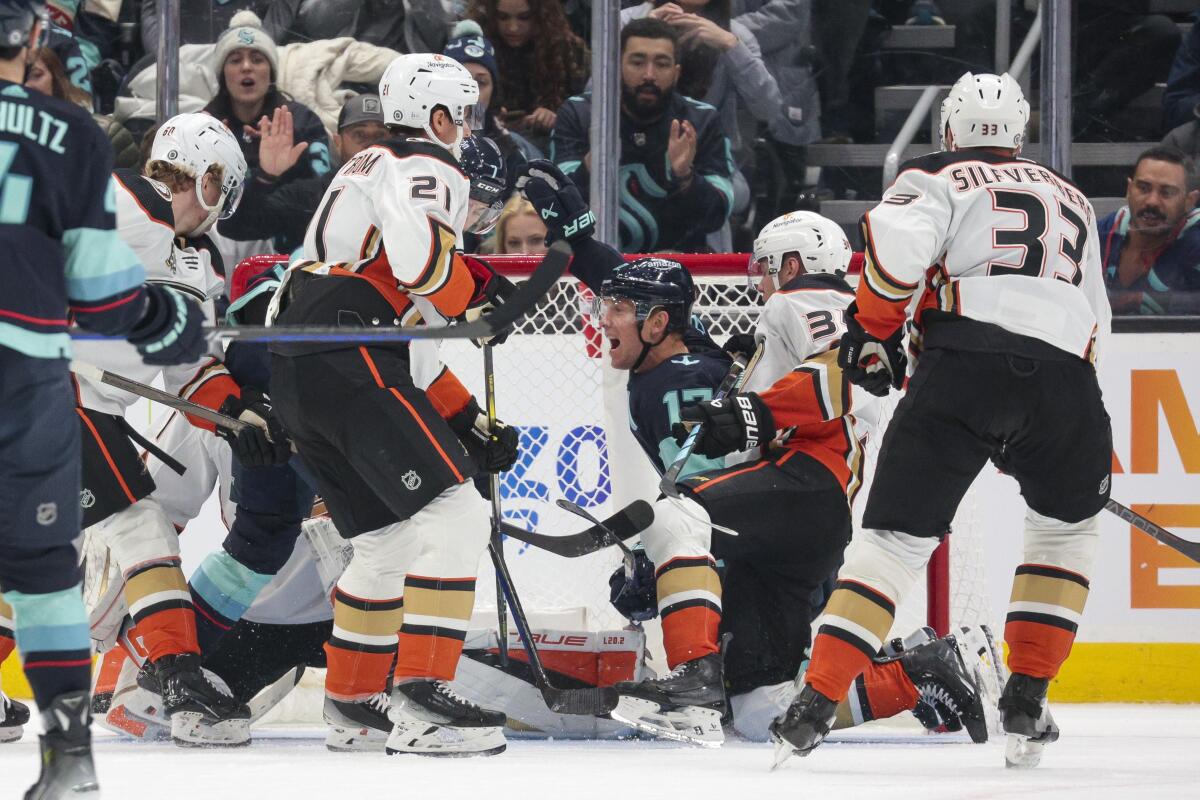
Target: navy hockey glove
[(876, 365), (738, 422), (491, 289), (171, 330), (492, 450), (558, 202), (635, 596), (741, 344), (263, 442)]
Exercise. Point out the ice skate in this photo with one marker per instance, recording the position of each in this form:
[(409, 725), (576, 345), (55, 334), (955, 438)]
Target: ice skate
[(133, 710), (13, 716), (685, 705), (357, 725), (66, 747), (949, 694), (803, 726), (431, 719), (202, 710), (1027, 720)]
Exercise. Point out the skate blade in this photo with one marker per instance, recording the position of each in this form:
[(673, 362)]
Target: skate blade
[(443, 741), (12, 733), (783, 751), (1021, 752), (698, 726), (190, 729), (340, 739)]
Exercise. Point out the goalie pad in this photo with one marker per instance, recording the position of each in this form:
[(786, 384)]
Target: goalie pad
[(574, 659)]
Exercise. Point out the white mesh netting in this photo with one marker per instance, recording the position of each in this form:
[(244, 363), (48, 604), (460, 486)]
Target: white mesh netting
[(573, 420)]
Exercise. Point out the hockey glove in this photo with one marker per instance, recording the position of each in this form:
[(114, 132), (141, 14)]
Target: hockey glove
[(263, 442), (635, 596), (491, 289), (558, 202), (738, 422), (492, 450), (171, 330), (876, 365), (741, 344)]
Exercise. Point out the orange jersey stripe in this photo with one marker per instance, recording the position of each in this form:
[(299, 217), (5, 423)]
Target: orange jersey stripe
[(107, 456)]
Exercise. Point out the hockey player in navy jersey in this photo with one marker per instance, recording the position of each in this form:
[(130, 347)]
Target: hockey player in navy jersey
[(64, 262), (1005, 326)]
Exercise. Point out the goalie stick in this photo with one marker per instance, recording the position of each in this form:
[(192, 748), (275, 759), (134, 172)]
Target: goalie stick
[(1161, 535), (625, 524)]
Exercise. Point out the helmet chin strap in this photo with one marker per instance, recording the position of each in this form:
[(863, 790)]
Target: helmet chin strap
[(212, 212), (647, 346), (454, 147)]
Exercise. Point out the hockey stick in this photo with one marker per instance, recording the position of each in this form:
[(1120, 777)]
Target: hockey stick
[(98, 375), (1161, 535), (626, 554), (586, 702), (738, 374), (522, 301), (489, 393), (625, 524)]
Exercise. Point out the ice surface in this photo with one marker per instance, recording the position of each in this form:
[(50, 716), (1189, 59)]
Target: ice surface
[(1107, 751)]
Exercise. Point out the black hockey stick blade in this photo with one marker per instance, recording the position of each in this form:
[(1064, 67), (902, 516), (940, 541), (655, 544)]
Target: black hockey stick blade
[(1176, 543), (626, 554), (625, 524)]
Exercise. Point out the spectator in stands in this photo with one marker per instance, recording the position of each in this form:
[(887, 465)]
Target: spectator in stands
[(675, 173), (409, 26), (246, 64), (203, 21), (1182, 98), (541, 62), (1151, 247), (837, 27), (1120, 53), (721, 64), (48, 76), (272, 208), (468, 47), (519, 229)]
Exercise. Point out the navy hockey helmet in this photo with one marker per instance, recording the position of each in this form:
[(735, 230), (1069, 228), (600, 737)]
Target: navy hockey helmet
[(653, 283), (17, 18), (483, 163)]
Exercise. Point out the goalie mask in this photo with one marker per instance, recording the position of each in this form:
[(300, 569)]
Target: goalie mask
[(414, 85), (484, 165), (819, 243), (194, 143), (985, 111), (650, 284)]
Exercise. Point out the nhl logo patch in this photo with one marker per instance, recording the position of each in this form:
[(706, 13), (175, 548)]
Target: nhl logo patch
[(87, 499), (411, 480)]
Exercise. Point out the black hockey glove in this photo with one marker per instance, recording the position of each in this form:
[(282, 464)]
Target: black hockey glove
[(876, 365), (171, 330), (741, 344), (491, 289), (558, 202), (738, 422), (492, 450), (263, 442), (635, 596)]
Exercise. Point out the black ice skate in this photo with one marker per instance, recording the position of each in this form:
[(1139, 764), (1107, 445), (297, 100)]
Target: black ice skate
[(13, 716), (66, 748), (1027, 720), (202, 710), (431, 719), (357, 725), (685, 705), (950, 695), (803, 726)]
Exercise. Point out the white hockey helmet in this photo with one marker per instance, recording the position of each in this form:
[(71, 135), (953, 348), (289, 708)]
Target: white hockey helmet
[(985, 111), (414, 85), (194, 142), (820, 242)]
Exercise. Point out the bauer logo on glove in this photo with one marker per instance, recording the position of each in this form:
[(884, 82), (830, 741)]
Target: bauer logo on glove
[(739, 422)]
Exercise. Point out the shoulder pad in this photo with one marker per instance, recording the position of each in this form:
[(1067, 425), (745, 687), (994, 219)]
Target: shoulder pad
[(414, 146), (153, 197)]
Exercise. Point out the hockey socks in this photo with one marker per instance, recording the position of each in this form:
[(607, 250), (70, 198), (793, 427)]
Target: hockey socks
[(222, 589), (1043, 616), (51, 631), (436, 615), (689, 600), (362, 648), (881, 691), (161, 607), (856, 621)]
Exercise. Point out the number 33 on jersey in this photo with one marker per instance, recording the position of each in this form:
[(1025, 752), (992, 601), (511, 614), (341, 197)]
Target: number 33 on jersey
[(992, 237)]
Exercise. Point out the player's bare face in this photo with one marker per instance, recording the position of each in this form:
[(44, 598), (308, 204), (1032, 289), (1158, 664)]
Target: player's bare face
[(524, 233), (514, 19), (618, 320), (1158, 197), (247, 76), (648, 73)]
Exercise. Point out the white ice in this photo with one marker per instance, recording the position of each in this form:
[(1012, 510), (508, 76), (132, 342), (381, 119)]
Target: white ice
[(1106, 751)]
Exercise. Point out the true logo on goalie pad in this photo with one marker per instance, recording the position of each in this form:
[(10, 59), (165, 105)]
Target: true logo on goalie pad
[(411, 480)]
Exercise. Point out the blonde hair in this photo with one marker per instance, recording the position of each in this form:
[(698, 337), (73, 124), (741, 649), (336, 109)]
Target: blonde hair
[(177, 178), (515, 207)]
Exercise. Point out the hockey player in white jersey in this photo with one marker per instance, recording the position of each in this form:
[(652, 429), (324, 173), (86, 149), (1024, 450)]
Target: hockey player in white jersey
[(135, 562), (1002, 255), (391, 435)]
